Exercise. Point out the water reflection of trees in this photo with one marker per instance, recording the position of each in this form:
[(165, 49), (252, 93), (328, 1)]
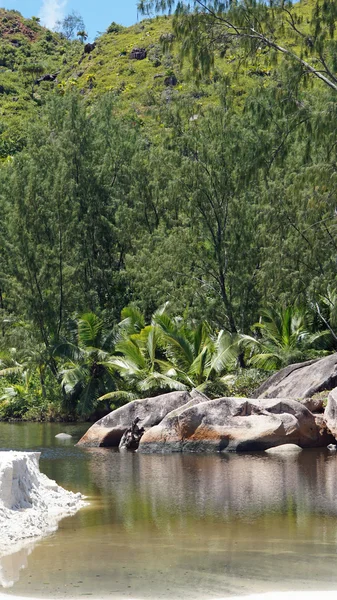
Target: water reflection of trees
[(32, 436), (231, 522), (179, 488)]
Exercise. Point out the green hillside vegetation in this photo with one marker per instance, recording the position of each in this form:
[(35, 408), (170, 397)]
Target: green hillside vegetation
[(29, 51), (168, 207)]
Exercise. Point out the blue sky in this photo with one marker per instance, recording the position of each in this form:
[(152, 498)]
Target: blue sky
[(97, 14)]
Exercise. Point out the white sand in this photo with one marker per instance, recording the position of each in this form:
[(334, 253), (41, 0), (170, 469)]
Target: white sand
[(269, 596), (31, 504)]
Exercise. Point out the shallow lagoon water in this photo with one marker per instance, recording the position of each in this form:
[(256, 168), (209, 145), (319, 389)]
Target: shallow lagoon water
[(179, 526)]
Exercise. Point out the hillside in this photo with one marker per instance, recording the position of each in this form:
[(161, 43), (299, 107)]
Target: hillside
[(27, 52), (130, 62)]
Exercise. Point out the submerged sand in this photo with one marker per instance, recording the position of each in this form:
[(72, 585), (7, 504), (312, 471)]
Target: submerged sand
[(31, 504), (316, 595)]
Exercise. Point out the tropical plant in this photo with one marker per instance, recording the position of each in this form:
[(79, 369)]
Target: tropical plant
[(326, 308), (198, 356), (9, 365), (87, 371), (141, 362), (284, 336), (82, 35), (13, 402), (169, 354)]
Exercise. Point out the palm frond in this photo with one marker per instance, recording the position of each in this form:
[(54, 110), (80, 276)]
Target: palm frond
[(124, 366), (200, 367), (72, 377), (200, 337), (118, 395), (67, 350), (9, 371), (178, 348), (158, 380), (267, 361), (160, 311), (152, 343), (88, 397), (132, 320), (89, 330), (131, 352), (226, 352)]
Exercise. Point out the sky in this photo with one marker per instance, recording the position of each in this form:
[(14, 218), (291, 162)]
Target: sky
[(97, 14)]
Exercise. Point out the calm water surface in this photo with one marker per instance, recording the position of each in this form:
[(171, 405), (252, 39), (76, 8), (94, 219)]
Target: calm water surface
[(179, 527)]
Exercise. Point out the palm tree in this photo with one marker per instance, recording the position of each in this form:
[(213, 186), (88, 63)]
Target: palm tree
[(82, 35), (25, 356), (9, 364), (198, 356), (142, 365), (168, 354), (285, 338), (87, 372), (21, 369)]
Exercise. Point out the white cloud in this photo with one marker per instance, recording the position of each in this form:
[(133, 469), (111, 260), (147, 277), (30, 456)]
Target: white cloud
[(52, 11)]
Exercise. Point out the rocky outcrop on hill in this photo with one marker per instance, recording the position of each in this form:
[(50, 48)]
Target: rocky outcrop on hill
[(301, 380), (235, 424), (109, 430), (138, 54), (89, 47)]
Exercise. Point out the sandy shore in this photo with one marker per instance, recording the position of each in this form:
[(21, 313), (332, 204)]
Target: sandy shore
[(31, 504), (317, 595)]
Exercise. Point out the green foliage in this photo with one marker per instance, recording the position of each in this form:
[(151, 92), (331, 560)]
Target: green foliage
[(115, 28), (18, 402), (70, 25), (285, 338), (204, 188), (86, 370), (304, 38), (28, 390), (27, 51), (243, 382)]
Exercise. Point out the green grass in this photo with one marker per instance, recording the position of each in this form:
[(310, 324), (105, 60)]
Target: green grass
[(24, 43), (143, 87)]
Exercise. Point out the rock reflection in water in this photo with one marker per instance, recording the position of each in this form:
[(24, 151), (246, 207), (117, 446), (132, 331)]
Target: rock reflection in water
[(189, 527), (223, 487)]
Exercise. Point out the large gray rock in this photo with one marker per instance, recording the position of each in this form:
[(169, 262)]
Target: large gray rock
[(234, 424), (109, 430), (315, 404), (301, 380), (284, 449), (330, 413), (63, 436)]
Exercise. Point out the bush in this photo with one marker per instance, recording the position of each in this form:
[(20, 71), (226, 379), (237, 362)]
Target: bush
[(245, 382), (115, 28), (24, 401)]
